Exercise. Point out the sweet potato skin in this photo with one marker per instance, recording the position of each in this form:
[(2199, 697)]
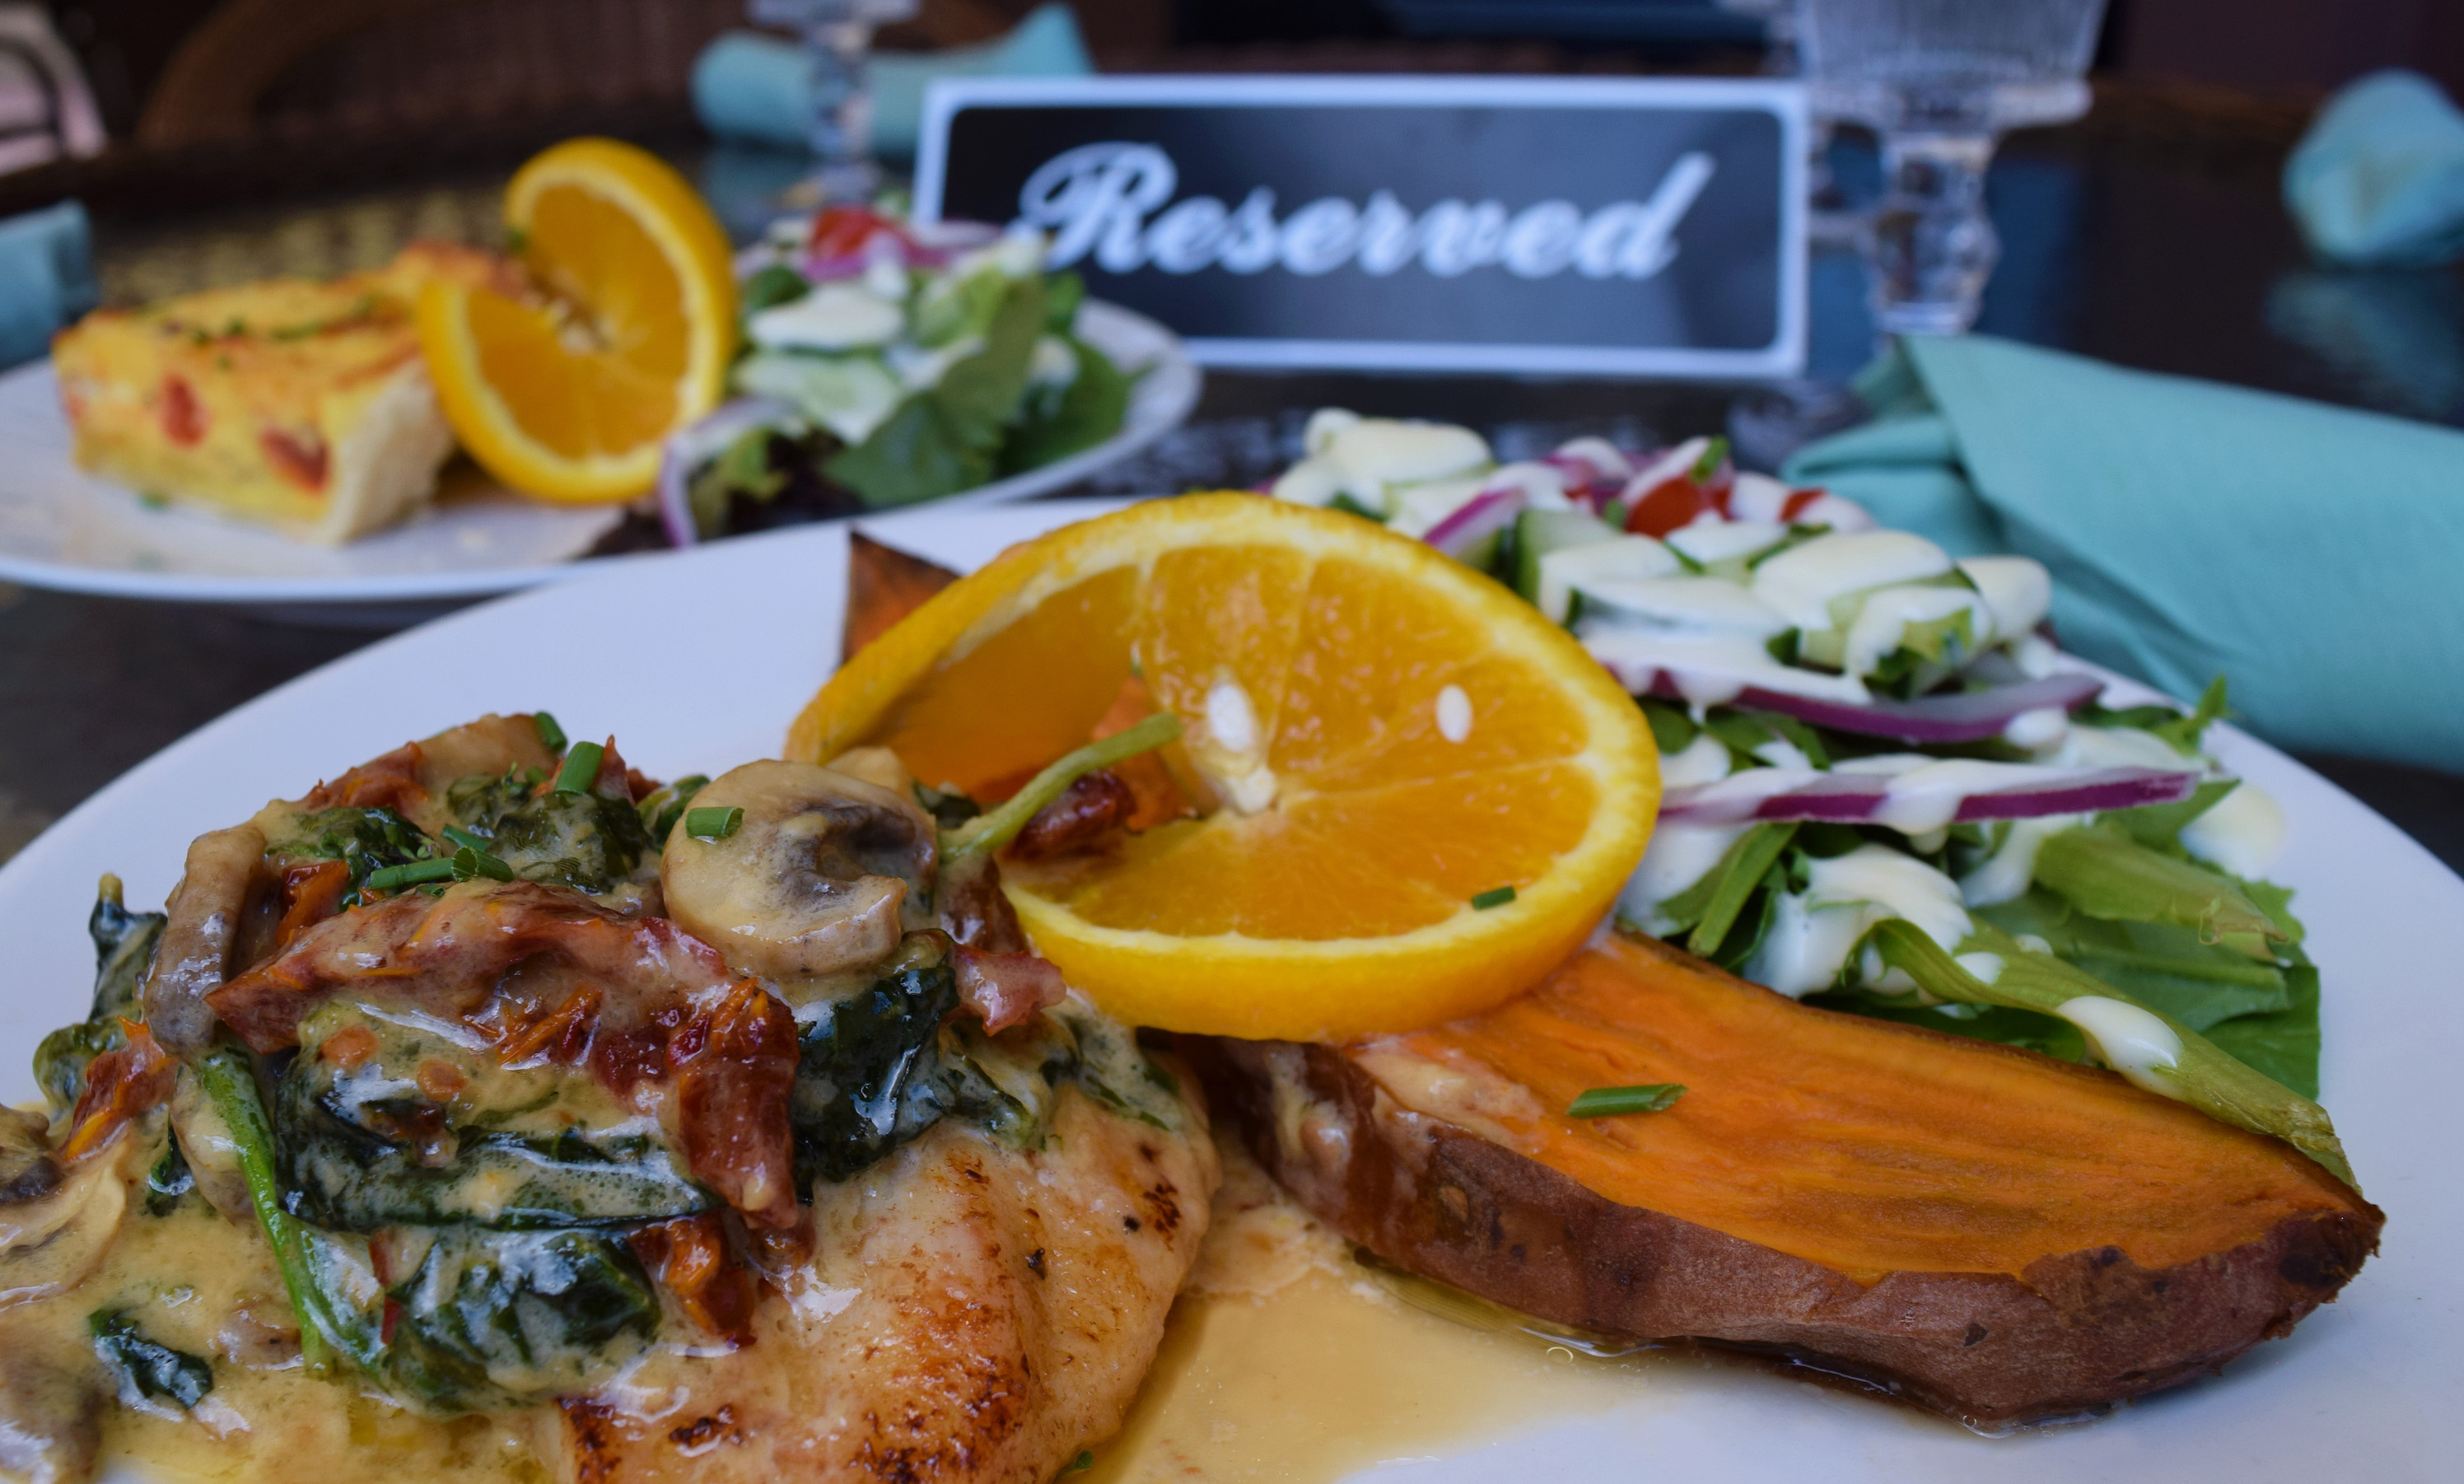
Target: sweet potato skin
[(2072, 1333)]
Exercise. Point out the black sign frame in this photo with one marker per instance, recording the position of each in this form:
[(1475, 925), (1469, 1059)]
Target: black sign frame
[(1638, 231)]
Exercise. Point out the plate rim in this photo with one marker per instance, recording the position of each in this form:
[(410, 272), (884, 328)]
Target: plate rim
[(1181, 378), (2405, 1310)]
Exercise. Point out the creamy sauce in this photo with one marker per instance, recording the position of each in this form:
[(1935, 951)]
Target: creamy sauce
[(197, 1283), (1286, 1360)]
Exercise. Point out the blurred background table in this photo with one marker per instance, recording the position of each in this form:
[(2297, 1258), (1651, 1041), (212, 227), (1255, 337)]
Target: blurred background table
[(2151, 233)]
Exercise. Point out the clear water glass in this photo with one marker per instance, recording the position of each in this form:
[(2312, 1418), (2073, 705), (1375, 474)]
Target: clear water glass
[(838, 42), (1940, 81)]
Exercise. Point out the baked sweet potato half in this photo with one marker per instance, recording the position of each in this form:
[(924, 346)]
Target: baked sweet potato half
[(1979, 1229)]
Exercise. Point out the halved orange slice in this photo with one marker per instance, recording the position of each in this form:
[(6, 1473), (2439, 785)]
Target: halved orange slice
[(1416, 795), (567, 393)]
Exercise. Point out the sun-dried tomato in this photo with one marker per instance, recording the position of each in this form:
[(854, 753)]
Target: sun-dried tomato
[(390, 782), (735, 1069), (691, 1258), (311, 893), (122, 1084)]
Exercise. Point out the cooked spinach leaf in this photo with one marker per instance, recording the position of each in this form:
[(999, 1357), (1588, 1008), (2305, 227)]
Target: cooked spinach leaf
[(124, 946), (496, 1319), (584, 840), (148, 1369), (864, 1080), (366, 840), (363, 1147), (170, 1182)]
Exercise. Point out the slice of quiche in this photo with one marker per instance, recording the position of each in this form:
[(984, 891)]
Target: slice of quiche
[(298, 403)]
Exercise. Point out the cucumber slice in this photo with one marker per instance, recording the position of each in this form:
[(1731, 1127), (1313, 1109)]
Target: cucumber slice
[(1540, 532)]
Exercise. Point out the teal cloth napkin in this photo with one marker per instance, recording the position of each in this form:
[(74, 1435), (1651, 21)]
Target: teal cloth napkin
[(2378, 179), (2312, 555), (46, 279), (760, 89)]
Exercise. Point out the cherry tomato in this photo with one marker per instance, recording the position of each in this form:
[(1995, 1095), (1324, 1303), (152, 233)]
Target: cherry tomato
[(843, 230), (1670, 506)]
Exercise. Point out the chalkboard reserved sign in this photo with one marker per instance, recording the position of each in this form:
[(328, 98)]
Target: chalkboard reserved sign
[(1609, 226)]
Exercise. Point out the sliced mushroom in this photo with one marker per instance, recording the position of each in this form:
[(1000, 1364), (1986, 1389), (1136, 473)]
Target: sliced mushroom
[(47, 1246), (194, 956), (819, 877), (28, 1171)]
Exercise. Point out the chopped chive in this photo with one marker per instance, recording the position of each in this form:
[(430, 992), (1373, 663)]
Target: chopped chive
[(468, 863), (996, 827), (1607, 1102), (417, 872), (551, 734), (714, 823), (1709, 463), (1494, 897), (1085, 1461), (469, 840), (581, 768)]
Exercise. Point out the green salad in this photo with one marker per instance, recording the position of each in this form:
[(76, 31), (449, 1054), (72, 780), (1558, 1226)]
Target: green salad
[(1885, 790), (885, 362)]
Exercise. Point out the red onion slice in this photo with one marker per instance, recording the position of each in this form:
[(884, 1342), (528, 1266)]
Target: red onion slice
[(1858, 798), (697, 442), (1968, 716), (1475, 520)]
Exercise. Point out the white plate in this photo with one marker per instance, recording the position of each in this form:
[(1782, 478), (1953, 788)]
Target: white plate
[(738, 636), (63, 528)]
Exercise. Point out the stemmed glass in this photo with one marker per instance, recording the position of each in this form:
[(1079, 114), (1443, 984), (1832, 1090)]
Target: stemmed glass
[(838, 41), (1940, 81)]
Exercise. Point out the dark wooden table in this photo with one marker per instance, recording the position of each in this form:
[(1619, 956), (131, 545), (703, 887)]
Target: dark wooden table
[(2154, 243)]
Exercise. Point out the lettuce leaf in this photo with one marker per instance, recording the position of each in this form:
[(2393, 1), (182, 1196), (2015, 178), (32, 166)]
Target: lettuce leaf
[(948, 437), (1087, 411)]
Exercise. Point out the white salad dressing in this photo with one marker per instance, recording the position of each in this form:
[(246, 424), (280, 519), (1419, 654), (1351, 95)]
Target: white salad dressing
[(1983, 967), (1757, 497), (1813, 932), (1569, 569), (2004, 876), (2130, 1040), (844, 315), (1802, 580), (1883, 619), (1711, 539), (2018, 589), (1707, 669), (1679, 855), (1415, 473), (1601, 455), (1415, 510), (2243, 832), (1543, 485), (1704, 760), (2119, 746), (2039, 730), (1698, 604)]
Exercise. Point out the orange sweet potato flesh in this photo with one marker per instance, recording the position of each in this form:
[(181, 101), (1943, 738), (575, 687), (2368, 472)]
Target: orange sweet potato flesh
[(1980, 1229)]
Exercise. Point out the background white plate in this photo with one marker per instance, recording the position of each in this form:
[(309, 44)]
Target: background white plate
[(63, 528), (734, 637)]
